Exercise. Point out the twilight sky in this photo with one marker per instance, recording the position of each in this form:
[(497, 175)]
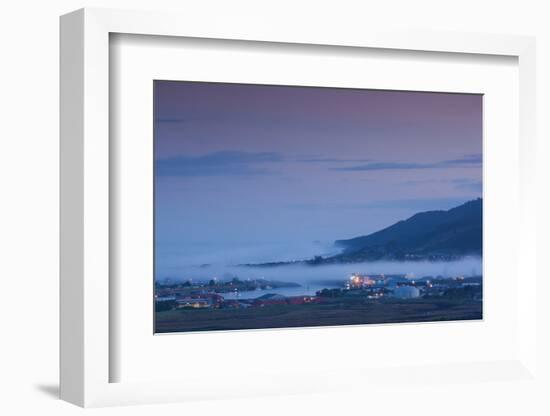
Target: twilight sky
[(251, 165)]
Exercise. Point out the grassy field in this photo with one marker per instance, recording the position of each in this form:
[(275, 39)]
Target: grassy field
[(333, 312)]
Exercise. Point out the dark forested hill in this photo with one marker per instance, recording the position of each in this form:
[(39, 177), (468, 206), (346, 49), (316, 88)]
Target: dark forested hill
[(432, 234)]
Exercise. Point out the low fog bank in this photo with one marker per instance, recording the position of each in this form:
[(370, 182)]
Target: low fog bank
[(305, 274), (175, 259)]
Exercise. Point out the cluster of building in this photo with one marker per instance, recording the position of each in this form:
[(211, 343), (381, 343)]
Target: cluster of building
[(361, 281), (358, 285), (202, 300), (406, 287)]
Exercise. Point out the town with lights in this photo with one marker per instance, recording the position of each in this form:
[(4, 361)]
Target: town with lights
[(358, 299)]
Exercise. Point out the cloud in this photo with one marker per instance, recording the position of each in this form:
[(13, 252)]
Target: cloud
[(385, 166), (468, 161), (217, 164), (314, 159), (307, 275), (474, 159), (169, 120)]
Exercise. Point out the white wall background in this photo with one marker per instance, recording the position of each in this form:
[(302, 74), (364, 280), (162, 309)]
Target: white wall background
[(29, 189)]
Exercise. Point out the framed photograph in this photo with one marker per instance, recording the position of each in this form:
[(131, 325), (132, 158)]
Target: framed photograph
[(268, 212), (252, 183)]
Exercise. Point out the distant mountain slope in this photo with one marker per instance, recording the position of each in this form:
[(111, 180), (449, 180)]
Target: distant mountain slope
[(432, 234)]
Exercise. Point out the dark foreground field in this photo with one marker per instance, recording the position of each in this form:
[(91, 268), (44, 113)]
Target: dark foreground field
[(333, 312)]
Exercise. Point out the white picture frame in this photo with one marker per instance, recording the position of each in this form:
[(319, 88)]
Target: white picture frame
[(85, 204)]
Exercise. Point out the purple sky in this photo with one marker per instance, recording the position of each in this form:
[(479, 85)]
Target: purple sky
[(250, 164)]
